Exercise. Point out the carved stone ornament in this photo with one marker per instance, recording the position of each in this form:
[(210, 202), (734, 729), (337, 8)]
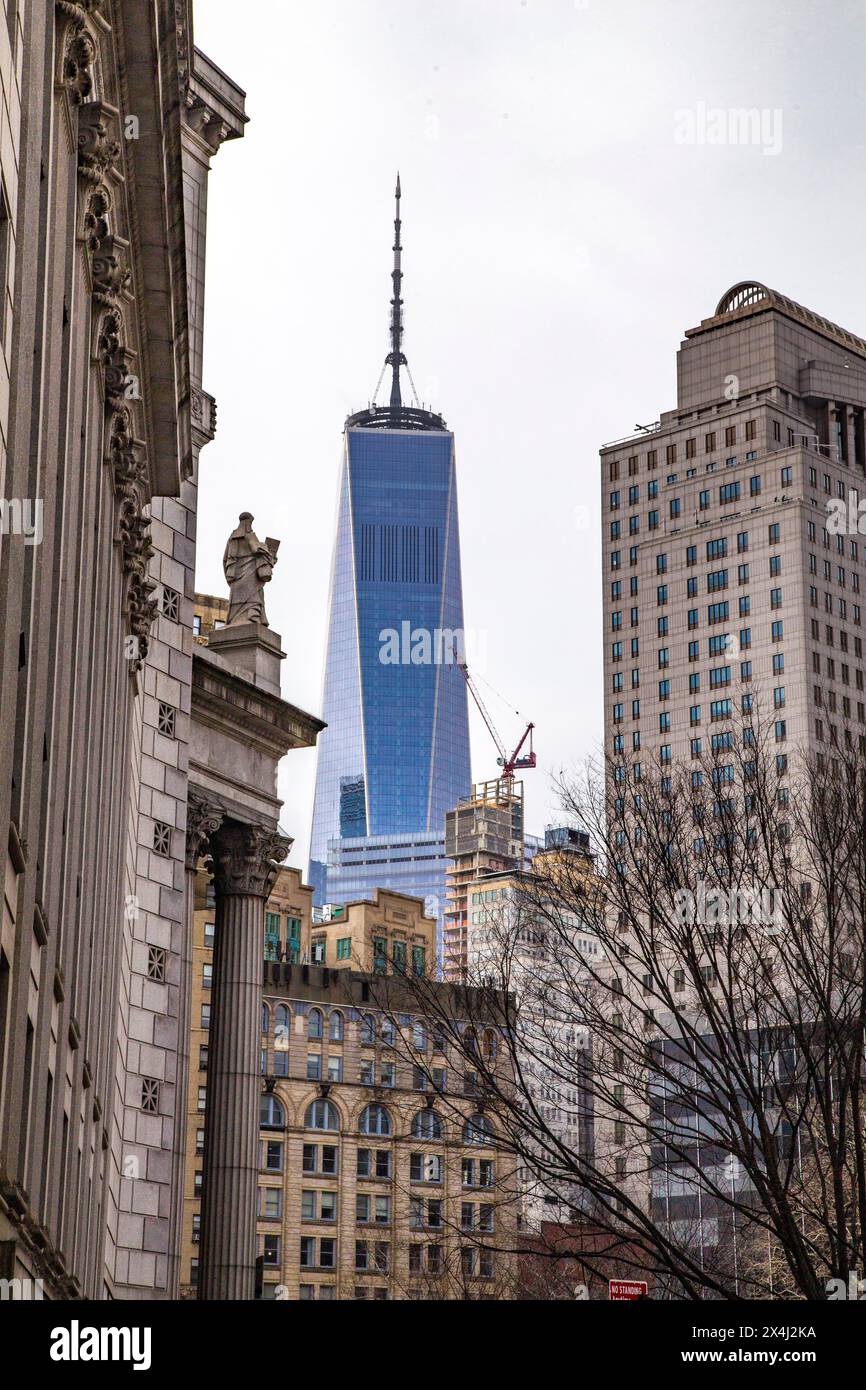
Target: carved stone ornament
[(116, 361), (95, 228), (126, 457), (78, 57), (141, 610), (245, 859), (98, 148), (110, 273), (110, 336), (182, 49), (203, 819), (77, 9)]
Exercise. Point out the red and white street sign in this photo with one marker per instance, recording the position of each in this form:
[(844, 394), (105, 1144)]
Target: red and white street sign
[(623, 1290)]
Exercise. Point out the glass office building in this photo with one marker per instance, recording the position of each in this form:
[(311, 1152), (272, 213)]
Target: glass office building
[(395, 755)]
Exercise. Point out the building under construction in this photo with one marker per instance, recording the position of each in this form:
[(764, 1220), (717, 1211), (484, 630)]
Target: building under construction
[(484, 834)]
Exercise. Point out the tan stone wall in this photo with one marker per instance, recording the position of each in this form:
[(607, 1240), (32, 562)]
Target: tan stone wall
[(295, 1093), (392, 917), (402, 1102)]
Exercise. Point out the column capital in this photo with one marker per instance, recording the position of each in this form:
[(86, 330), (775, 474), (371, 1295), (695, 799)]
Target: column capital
[(245, 859), (203, 819)]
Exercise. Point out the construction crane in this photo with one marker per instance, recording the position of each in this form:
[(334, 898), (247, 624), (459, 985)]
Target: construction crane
[(508, 762)]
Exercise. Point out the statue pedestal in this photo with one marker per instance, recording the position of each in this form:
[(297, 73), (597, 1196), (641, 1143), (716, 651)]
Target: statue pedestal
[(252, 649)]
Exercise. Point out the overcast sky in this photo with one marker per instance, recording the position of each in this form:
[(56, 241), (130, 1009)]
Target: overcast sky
[(568, 211)]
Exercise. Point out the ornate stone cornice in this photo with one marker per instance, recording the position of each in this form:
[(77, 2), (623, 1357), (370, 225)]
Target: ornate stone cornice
[(203, 819), (245, 859), (207, 123)]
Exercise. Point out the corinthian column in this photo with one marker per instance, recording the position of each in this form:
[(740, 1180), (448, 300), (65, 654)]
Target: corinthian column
[(202, 820), (244, 860)]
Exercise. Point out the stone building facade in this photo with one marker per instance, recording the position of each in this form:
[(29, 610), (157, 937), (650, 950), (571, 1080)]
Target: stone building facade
[(372, 938), (379, 1178), (390, 932), (127, 751)]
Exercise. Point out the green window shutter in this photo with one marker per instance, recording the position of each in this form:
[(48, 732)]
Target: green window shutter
[(293, 939), (344, 948), (380, 955), (418, 960), (272, 935), (399, 956)]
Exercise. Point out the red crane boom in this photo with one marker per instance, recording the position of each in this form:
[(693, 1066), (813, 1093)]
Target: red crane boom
[(508, 762)]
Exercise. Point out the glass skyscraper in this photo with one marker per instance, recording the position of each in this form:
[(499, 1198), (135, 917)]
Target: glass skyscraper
[(395, 755)]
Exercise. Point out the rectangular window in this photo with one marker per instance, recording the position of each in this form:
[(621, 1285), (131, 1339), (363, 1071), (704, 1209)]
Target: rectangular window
[(425, 1168)]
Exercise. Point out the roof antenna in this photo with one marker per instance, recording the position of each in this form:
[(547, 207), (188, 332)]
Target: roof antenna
[(396, 358)]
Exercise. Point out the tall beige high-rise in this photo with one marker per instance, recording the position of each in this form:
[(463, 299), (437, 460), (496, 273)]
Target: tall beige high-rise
[(724, 580)]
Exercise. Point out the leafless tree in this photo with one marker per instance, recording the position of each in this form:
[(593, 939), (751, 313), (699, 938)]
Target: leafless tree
[(683, 1020)]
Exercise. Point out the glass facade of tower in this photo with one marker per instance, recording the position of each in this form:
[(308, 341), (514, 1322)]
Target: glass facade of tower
[(395, 755)]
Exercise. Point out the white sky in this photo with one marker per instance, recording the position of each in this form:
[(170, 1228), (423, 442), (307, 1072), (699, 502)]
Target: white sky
[(558, 241)]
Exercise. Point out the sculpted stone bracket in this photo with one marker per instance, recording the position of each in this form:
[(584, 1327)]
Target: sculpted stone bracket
[(203, 415), (111, 275), (203, 819), (245, 859), (206, 123), (99, 148)]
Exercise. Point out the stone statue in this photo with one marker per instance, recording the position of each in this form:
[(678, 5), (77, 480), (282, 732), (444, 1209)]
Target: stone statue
[(248, 567)]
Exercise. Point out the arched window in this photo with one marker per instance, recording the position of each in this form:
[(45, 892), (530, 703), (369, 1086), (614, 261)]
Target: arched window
[(427, 1125), (266, 1019), (271, 1113), (314, 1024), (282, 1032), (477, 1130), (388, 1032), (368, 1029), (335, 1027), (321, 1115), (419, 1036), (490, 1044), (375, 1119)]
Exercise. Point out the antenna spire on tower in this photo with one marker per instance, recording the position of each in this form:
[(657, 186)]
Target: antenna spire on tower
[(396, 415), (396, 359)]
